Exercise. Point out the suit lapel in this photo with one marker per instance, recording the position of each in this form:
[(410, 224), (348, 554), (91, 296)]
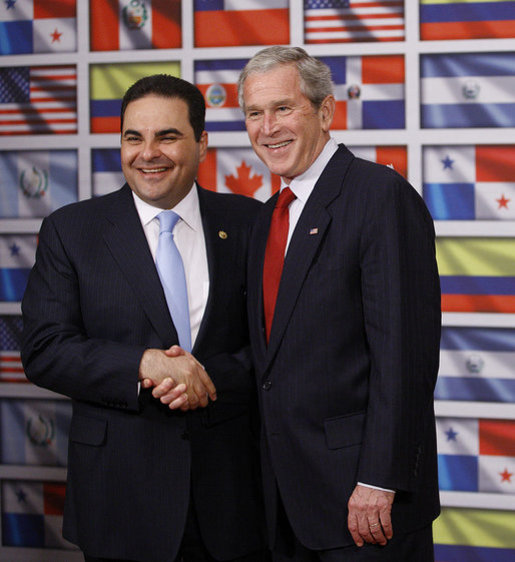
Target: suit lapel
[(305, 242), (127, 243)]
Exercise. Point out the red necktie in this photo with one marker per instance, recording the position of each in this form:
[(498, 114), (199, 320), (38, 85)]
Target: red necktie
[(274, 255)]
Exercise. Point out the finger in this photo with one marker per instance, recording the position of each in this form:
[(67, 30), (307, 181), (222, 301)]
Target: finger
[(174, 394), (377, 532), (364, 530), (208, 383), (163, 387), (147, 383), (386, 522), (174, 351), (352, 524), (180, 403), (200, 391)]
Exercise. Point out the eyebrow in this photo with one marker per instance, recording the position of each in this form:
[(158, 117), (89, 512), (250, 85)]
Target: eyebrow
[(163, 133)]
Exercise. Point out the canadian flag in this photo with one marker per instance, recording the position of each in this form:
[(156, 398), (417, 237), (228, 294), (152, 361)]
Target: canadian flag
[(237, 170)]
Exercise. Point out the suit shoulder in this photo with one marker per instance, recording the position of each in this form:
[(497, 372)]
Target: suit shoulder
[(237, 205)]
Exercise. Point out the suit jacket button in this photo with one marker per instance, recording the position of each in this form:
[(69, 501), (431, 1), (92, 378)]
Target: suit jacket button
[(267, 385)]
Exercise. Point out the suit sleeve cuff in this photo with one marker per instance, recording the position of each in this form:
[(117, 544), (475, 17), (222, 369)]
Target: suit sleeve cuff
[(376, 487)]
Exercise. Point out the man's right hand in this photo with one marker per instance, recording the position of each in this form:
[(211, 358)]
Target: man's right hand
[(179, 380)]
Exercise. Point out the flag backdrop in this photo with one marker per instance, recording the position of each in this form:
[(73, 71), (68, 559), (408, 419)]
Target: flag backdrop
[(32, 514), (396, 77), (477, 274), (231, 23), (345, 21), (38, 100), (108, 83), (468, 90), (135, 24), (476, 364), (11, 369), (470, 182), (466, 19), (37, 26), (36, 182)]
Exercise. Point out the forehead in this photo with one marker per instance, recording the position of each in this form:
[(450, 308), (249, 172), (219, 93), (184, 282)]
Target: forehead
[(279, 83), (156, 112)]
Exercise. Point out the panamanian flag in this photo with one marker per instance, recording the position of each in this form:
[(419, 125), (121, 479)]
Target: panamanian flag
[(135, 24), (477, 274), (468, 90), (470, 182), (466, 19), (36, 182), (34, 432), (369, 91), (108, 84), (32, 514), (217, 80), (477, 364), (17, 254), (476, 455), (231, 23), (37, 26)]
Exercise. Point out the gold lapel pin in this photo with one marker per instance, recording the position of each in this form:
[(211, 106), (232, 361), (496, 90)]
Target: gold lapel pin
[(222, 234)]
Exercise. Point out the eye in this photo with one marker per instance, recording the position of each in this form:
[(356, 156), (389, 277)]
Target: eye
[(132, 139), (253, 114)]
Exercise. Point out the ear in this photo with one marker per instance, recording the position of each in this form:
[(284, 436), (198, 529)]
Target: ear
[(202, 146), (326, 112)]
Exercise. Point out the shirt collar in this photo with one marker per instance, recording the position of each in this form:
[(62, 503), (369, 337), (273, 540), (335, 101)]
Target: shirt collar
[(188, 209), (303, 185)]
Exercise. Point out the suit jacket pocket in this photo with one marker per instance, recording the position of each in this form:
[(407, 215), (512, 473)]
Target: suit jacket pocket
[(89, 431), (344, 431)]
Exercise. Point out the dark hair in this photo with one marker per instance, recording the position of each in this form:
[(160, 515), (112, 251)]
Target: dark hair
[(168, 86)]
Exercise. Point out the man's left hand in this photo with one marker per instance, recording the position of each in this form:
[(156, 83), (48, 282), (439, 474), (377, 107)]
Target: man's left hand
[(370, 515)]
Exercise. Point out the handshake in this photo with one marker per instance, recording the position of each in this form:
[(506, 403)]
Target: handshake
[(177, 378)]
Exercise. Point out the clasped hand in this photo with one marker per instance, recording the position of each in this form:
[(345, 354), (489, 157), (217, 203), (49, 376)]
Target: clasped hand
[(177, 378)]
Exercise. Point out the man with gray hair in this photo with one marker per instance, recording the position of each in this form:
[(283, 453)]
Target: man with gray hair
[(344, 312)]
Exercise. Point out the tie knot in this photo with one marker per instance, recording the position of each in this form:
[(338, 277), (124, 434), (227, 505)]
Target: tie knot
[(167, 220), (285, 197)]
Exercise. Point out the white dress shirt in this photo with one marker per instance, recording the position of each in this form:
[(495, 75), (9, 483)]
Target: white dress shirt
[(302, 186), (188, 236)]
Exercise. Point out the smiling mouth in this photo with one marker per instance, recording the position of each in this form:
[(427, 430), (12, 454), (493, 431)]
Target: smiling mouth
[(152, 170), (279, 144)]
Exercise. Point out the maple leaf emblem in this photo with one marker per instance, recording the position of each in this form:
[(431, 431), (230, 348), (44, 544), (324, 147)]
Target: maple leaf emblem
[(243, 183)]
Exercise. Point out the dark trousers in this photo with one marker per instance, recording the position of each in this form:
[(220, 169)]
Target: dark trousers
[(192, 548)]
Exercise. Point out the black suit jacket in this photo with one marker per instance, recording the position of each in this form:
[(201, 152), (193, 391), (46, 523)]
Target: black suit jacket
[(93, 304), (346, 382)]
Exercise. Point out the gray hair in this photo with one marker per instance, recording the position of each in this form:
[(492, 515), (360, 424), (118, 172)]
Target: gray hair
[(315, 76)]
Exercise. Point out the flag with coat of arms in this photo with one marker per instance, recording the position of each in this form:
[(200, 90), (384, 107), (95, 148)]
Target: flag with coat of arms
[(37, 26), (135, 24)]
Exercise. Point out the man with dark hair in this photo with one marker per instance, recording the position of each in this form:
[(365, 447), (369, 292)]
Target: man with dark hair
[(344, 312), (118, 281)]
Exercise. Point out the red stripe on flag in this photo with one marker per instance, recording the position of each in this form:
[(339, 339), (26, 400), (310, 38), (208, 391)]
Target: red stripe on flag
[(166, 24), (53, 498), (497, 437), (207, 171), (467, 30), (340, 116), (56, 9), (478, 303), (245, 27), (105, 124), (103, 20), (352, 40), (394, 155), (495, 163), (382, 69)]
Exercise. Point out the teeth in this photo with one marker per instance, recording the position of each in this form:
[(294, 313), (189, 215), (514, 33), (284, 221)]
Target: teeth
[(278, 145), (152, 170)]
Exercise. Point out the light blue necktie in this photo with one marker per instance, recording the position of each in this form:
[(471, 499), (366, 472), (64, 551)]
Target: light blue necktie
[(171, 272)]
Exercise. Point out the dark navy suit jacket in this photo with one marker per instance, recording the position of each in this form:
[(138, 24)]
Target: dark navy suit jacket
[(93, 304), (346, 382)]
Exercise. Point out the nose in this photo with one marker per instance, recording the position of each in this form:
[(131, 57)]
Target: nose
[(269, 123), (150, 150)]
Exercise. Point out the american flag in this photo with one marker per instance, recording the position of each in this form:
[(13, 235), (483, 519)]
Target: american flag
[(38, 100), (345, 21), (11, 369)]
